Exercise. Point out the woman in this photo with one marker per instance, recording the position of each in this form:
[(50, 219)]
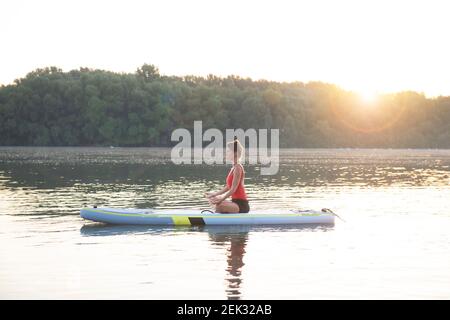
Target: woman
[(234, 184)]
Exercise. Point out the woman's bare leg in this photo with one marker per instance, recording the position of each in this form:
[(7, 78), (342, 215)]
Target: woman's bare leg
[(227, 207)]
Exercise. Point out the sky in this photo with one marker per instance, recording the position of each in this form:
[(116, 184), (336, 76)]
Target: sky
[(366, 46)]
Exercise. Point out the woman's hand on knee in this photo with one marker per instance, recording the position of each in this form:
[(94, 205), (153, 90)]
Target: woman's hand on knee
[(217, 200)]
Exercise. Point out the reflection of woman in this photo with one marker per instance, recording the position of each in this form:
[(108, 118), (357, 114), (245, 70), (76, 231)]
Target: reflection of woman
[(234, 185), (235, 257), (235, 261)]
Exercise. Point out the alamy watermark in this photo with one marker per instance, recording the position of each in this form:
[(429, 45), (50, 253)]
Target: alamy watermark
[(258, 150)]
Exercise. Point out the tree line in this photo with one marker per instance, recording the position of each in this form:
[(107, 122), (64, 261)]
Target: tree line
[(91, 107)]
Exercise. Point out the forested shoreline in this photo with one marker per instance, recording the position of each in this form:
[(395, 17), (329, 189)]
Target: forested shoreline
[(91, 107)]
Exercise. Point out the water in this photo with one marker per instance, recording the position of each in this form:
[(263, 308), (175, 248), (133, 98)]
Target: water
[(395, 243)]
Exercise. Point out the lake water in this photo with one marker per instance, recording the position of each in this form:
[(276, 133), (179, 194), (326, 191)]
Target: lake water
[(394, 243)]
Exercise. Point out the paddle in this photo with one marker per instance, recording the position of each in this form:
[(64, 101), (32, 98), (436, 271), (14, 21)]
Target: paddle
[(331, 211)]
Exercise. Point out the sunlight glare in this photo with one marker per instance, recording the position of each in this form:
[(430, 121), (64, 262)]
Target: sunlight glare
[(368, 96)]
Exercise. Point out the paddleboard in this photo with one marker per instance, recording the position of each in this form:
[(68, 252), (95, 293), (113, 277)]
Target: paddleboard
[(205, 217)]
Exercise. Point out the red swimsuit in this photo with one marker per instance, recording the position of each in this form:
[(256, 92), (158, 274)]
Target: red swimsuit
[(240, 190)]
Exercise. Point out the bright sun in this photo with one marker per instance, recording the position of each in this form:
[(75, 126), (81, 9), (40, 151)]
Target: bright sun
[(368, 96)]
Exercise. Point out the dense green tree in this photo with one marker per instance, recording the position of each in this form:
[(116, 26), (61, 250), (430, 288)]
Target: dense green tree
[(49, 107)]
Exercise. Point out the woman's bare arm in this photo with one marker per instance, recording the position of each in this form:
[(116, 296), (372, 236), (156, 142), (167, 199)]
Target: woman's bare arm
[(236, 180), (213, 194)]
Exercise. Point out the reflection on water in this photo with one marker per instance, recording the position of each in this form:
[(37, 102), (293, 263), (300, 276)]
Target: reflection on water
[(233, 238), (143, 177), (394, 244), (235, 243)]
